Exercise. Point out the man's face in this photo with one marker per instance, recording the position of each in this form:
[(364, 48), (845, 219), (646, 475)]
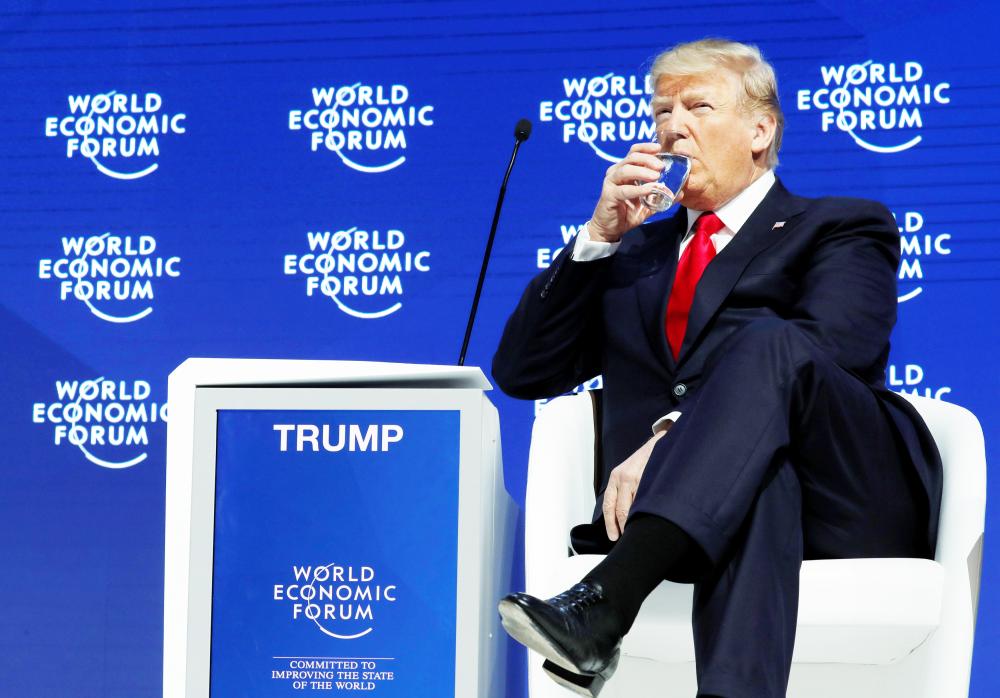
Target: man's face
[(714, 132)]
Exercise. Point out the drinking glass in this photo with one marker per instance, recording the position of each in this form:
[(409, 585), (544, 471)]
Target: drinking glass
[(676, 169)]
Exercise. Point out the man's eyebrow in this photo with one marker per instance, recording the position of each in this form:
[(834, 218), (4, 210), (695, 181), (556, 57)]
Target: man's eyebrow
[(684, 96), (696, 96)]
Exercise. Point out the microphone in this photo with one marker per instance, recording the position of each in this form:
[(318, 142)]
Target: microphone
[(522, 130)]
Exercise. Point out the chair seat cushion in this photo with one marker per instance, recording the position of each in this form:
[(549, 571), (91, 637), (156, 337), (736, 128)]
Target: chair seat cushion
[(858, 611)]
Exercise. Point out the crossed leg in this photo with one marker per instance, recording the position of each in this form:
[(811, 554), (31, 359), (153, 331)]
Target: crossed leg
[(782, 456)]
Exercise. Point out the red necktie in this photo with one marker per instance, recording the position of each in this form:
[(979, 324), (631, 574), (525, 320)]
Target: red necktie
[(691, 266)]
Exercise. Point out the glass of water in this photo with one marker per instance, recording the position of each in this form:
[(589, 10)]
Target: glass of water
[(676, 169)]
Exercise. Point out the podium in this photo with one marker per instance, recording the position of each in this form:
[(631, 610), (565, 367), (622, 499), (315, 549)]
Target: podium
[(333, 528)]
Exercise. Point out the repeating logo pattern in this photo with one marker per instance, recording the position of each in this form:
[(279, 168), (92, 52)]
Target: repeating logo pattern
[(879, 105), (917, 245), (360, 271), (366, 126), (106, 420), (119, 133), (607, 112), (112, 275)]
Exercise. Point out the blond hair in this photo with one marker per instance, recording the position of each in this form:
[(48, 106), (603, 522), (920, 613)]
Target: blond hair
[(760, 87)]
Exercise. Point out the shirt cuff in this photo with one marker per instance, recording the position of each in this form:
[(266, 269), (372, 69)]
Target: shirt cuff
[(664, 422), (587, 250)]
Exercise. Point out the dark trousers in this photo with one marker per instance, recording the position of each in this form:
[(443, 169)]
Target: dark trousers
[(779, 456)]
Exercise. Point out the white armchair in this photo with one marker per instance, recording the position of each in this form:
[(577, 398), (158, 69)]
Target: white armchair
[(867, 628)]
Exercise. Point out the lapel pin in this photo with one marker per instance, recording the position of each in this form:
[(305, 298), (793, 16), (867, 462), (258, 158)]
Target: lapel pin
[(779, 224)]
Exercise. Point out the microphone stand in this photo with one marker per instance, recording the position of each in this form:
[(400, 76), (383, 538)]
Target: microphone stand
[(521, 133)]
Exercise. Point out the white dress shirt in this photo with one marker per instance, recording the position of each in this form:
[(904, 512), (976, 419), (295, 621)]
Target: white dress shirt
[(733, 214)]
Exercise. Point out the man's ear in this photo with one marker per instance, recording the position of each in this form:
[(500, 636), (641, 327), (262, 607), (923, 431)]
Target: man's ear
[(764, 126)]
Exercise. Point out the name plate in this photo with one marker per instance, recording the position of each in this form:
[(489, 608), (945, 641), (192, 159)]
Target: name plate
[(335, 553)]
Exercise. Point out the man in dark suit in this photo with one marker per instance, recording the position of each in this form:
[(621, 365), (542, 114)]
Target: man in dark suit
[(750, 333)]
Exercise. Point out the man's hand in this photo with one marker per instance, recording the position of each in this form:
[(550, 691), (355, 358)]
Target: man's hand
[(622, 486), (620, 207)]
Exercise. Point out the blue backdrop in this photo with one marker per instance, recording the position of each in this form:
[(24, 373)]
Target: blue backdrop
[(316, 180)]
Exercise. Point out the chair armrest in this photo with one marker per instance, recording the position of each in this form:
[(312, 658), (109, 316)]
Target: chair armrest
[(959, 438), (559, 491)]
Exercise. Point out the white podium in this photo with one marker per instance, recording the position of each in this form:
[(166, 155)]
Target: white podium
[(333, 527)]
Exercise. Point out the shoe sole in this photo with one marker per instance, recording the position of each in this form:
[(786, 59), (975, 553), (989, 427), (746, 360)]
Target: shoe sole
[(520, 627), (581, 684)]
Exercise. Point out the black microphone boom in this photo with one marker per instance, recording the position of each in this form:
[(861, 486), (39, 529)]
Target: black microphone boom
[(521, 133)]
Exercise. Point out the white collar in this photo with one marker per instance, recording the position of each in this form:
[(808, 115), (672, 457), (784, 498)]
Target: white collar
[(735, 212)]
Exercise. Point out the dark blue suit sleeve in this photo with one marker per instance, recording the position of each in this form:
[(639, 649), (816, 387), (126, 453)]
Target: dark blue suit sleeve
[(847, 300), (553, 340)]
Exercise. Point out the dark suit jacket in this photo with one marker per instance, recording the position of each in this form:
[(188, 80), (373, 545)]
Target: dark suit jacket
[(830, 269)]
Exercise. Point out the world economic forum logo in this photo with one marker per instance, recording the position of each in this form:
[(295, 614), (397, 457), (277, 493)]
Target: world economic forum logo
[(342, 601), (919, 246), (879, 105), (119, 133), (910, 379), (106, 420), (360, 271), (607, 113), (366, 126), (112, 275)]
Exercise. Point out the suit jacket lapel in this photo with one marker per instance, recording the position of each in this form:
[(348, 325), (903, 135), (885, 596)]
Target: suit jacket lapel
[(756, 235), (653, 290)]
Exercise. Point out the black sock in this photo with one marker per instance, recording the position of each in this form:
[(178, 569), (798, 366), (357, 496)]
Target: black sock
[(644, 555)]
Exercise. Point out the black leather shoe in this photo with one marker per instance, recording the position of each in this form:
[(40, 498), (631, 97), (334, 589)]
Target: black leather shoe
[(576, 631)]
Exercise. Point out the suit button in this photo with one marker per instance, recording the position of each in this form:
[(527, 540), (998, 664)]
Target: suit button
[(680, 390)]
